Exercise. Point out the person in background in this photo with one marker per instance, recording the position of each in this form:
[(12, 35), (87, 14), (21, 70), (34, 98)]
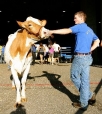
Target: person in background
[(46, 54), (99, 53), (86, 42), (33, 49), (41, 50), (2, 54), (56, 52), (51, 53)]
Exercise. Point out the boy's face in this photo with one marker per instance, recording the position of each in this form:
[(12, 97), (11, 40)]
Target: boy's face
[(78, 19)]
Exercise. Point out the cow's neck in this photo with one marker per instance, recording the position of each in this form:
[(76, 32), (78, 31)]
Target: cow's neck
[(33, 37), (22, 43)]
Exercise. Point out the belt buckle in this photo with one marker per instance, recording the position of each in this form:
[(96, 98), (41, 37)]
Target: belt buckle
[(82, 54)]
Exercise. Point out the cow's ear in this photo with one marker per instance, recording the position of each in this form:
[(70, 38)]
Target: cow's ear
[(43, 22), (20, 24)]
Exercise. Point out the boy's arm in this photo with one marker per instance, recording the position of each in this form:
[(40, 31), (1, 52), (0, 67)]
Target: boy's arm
[(101, 43), (60, 31), (95, 44)]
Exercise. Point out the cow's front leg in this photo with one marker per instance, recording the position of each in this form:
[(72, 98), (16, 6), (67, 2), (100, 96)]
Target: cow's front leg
[(17, 83), (13, 83), (23, 81)]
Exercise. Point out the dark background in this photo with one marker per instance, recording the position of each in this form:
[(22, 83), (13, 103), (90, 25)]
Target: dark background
[(51, 10)]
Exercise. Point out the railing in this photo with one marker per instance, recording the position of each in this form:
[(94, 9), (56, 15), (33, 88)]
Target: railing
[(66, 54)]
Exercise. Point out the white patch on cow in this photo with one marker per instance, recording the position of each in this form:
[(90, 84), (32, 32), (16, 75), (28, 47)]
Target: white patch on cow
[(20, 65), (27, 62), (17, 63), (34, 20), (30, 41)]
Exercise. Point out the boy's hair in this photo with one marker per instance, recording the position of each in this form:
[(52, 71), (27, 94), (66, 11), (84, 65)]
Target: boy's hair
[(81, 14)]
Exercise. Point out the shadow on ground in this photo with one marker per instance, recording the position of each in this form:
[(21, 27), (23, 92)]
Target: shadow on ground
[(19, 110), (54, 81)]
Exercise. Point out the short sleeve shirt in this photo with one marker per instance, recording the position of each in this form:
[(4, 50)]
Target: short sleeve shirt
[(33, 49), (56, 47), (84, 37)]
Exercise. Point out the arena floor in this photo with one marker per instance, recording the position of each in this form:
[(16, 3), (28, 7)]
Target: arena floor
[(49, 90)]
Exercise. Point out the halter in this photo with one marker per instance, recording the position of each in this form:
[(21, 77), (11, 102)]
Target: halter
[(37, 34)]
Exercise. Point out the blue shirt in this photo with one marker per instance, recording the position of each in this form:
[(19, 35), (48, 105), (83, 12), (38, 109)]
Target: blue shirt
[(3, 49), (33, 48), (84, 37)]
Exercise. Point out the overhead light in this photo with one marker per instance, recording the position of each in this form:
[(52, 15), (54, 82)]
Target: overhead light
[(8, 21), (63, 11), (0, 11)]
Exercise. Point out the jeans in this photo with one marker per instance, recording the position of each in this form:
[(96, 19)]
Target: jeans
[(80, 77), (33, 58), (2, 58)]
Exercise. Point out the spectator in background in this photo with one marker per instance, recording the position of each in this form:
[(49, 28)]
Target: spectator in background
[(56, 52), (46, 54), (41, 50), (0, 54), (51, 52), (33, 49)]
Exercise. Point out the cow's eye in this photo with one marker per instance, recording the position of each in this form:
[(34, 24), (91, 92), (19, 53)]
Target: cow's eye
[(29, 25)]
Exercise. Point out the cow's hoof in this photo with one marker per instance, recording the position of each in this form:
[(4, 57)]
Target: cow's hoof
[(13, 87), (18, 105), (24, 100)]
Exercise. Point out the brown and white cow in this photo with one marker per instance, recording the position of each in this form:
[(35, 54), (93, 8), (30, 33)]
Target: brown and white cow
[(18, 54)]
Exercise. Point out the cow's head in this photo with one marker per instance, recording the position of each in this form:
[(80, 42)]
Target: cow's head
[(35, 26)]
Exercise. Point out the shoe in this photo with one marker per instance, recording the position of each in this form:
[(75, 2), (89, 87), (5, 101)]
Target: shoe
[(92, 101), (78, 105)]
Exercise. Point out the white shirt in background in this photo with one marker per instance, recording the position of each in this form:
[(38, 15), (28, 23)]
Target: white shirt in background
[(56, 47)]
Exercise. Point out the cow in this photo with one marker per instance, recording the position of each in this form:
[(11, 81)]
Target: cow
[(18, 53)]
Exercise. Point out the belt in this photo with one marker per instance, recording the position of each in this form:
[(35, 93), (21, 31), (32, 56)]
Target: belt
[(76, 53)]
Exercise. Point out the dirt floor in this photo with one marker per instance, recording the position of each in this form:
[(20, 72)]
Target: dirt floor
[(49, 90)]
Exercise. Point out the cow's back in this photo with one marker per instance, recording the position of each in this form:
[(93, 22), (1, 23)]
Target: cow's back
[(7, 55)]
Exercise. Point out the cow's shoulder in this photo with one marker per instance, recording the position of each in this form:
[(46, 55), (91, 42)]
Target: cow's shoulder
[(18, 45)]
